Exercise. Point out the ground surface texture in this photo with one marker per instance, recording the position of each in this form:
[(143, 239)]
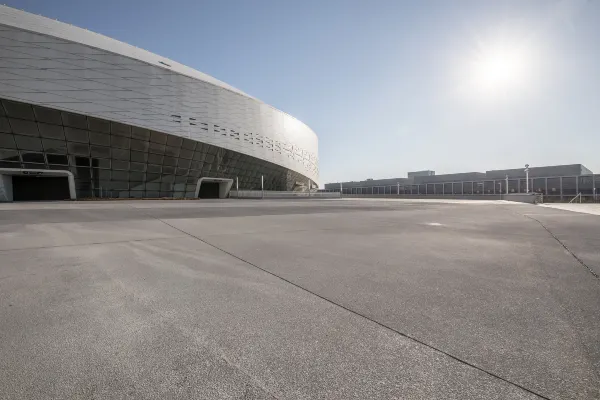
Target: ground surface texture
[(311, 299)]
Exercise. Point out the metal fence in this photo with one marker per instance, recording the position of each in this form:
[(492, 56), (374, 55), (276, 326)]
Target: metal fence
[(553, 189), (268, 194)]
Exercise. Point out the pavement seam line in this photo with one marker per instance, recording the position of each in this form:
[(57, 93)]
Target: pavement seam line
[(405, 335), (579, 260)]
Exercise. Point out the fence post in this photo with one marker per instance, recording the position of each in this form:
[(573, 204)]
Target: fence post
[(237, 187), (262, 185)]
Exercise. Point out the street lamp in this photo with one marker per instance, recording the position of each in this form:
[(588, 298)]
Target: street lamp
[(526, 178)]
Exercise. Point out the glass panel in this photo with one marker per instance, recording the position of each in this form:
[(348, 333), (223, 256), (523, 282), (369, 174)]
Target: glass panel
[(9, 164), (58, 167), (488, 187), (513, 186), (140, 133), (152, 186), (152, 177), (98, 125), (57, 159), (188, 144), (101, 163), (174, 141), (100, 151), (553, 187), (18, 110), (77, 135), (23, 127), (468, 187), (78, 149), (158, 137), (9, 155), (120, 142), (183, 163), (172, 151), (7, 141), (586, 185), (120, 154), (137, 176), (119, 129), (4, 125), (28, 143), (569, 188), (74, 120), (155, 158), (99, 138), (118, 164), (47, 115), (457, 188), (101, 174), (185, 153), (139, 157), (82, 162), (51, 131), (139, 145), (33, 158), (156, 148), (154, 168), (539, 185), (34, 166), (120, 176), (171, 161), (137, 166)]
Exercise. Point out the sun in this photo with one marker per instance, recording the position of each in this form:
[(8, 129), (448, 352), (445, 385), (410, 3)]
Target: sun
[(501, 68)]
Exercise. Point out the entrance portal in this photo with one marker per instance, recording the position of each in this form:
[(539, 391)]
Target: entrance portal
[(213, 188), (209, 190), (28, 188)]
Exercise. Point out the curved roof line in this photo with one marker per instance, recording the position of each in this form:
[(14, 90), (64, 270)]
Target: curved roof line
[(32, 22)]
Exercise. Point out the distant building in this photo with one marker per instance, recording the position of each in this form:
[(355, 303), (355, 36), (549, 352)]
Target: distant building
[(420, 173), (554, 180)]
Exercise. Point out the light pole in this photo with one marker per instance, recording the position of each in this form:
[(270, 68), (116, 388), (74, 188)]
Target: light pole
[(526, 178), (506, 184)]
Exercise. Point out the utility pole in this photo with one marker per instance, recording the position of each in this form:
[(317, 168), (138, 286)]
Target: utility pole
[(526, 178)]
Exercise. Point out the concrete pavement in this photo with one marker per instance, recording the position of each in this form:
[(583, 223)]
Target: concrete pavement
[(301, 299)]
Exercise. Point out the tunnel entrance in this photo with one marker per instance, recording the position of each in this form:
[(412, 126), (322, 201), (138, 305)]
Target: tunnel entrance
[(213, 188), (30, 188), (209, 190)]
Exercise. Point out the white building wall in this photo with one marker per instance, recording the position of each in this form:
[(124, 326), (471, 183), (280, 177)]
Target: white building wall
[(46, 62)]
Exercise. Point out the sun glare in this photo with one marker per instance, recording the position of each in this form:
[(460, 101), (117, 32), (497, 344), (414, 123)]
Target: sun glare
[(500, 69)]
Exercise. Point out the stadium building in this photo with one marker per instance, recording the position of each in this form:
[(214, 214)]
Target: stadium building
[(86, 116)]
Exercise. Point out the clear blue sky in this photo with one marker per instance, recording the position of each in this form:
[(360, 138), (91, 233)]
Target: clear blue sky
[(390, 86)]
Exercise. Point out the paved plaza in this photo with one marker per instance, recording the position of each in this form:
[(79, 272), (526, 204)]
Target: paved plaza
[(298, 299)]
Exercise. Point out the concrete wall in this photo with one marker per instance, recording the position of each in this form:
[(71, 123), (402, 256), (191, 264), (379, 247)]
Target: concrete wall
[(6, 189)]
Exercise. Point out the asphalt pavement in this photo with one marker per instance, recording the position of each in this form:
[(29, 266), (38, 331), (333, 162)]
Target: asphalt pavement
[(298, 299)]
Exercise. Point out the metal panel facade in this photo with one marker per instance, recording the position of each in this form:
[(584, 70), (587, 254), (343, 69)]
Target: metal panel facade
[(49, 63)]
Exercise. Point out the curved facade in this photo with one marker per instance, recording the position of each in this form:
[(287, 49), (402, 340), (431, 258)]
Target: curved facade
[(111, 114)]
